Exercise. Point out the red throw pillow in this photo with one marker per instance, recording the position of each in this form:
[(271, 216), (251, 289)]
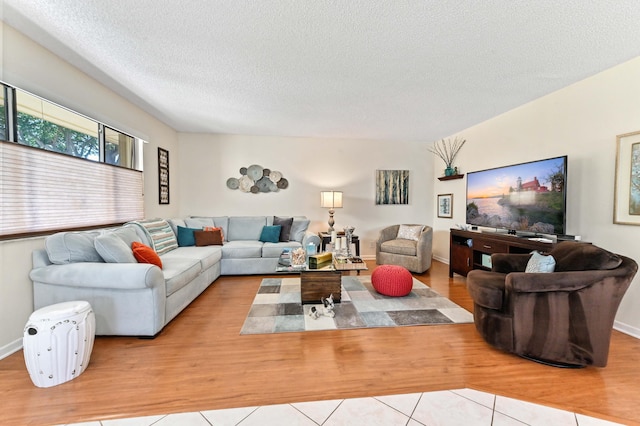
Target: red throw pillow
[(145, 254)]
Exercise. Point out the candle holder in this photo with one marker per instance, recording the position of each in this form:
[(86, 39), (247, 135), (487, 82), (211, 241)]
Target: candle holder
[(348, 232)]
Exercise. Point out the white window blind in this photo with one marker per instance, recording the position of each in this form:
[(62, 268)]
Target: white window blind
[(43, 191)]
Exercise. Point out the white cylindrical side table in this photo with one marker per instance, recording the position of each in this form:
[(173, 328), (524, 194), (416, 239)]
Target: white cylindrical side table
[(58, 340)]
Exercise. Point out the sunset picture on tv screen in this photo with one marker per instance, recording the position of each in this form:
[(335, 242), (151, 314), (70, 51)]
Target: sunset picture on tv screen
[(523, 197)]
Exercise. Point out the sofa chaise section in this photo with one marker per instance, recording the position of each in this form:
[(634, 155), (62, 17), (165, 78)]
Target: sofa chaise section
[(127, 297)]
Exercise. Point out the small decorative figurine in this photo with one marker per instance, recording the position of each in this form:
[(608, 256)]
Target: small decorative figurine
[(325, 310)]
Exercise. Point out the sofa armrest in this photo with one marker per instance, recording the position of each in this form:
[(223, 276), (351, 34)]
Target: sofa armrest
[(425, 242), (40, 258), (311, 237), (506, 263), (121, 276)]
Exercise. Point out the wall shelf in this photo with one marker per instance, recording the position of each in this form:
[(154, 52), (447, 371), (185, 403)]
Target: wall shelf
[(451, 177)]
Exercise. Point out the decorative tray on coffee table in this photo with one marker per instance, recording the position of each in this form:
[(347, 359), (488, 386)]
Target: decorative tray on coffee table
[(349, 264)]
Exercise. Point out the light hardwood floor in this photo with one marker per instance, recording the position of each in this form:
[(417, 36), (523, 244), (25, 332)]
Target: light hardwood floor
[(201, 362)]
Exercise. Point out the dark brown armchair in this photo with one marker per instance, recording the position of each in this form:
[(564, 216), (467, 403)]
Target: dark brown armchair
[(562, 318)]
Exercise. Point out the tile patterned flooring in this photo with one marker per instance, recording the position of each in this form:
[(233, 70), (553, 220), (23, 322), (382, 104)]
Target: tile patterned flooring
[(454, 407)]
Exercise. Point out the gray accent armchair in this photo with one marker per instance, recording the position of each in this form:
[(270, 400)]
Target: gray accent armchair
[(413, 255)]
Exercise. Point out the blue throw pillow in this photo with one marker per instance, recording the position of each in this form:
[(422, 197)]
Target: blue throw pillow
[(270, 234), (186, 237)]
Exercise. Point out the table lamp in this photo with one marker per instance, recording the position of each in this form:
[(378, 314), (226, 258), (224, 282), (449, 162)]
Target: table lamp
[(331, 200)]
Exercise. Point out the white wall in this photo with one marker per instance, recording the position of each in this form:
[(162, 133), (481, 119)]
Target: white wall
[(32, 68), (310, 166), (581, 121)]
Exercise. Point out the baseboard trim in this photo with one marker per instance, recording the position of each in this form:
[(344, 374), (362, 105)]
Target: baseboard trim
[(626, 329), (10, 348), (441, 259)]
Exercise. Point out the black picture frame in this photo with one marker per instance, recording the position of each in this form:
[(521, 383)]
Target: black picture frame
[(163, 176)]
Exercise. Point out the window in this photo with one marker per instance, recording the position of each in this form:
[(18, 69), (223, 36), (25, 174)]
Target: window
[(119, 149), (66, 171), (44, 125), (3, 114)]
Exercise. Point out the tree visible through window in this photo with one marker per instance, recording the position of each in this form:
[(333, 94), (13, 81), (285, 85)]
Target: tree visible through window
[(44, 125)]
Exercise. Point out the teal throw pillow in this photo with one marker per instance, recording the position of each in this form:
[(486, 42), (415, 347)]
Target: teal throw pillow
[(270, 234), (186, 237)]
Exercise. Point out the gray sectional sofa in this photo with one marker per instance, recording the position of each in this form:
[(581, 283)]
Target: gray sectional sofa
[(139, 299)]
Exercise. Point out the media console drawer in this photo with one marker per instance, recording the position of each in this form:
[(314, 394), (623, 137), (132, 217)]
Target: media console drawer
[(488, 246)]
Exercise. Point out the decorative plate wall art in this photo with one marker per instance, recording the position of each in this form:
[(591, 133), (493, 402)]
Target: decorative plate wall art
[(256, 179)]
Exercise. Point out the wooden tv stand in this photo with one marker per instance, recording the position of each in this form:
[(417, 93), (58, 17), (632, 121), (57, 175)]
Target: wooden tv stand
[(476, 254)]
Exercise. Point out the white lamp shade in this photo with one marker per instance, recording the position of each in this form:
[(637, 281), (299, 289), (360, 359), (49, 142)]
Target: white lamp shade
[(331, 199)]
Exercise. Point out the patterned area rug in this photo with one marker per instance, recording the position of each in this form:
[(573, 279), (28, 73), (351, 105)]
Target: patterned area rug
[(277, 308)]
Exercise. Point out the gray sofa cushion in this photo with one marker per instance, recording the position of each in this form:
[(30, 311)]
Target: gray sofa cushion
[(113, 249), (179, 271), (404, 247), (71, 247), (198, 222), (126, 233), (274, 250), (217, 221), (247, 228), (174, 223), (242, 249), (299, 228), (222, 222), (208, 256)]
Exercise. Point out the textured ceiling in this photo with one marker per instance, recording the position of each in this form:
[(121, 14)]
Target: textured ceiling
[(367, 69)]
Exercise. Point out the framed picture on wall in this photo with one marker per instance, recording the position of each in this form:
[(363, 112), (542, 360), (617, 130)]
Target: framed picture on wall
[(392, 186), (163, 176), (445, 205), (626, 205)]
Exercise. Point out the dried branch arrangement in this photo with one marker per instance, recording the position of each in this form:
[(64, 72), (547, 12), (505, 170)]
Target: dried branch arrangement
[(447, 149)]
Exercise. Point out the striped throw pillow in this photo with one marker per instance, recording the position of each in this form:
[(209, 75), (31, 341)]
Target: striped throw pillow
[(162, 236)]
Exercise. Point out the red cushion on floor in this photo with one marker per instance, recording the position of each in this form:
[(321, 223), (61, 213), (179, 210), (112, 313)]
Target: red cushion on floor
[(392, 280)]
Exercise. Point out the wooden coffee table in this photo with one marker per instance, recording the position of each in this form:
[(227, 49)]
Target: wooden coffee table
[(316, 284)]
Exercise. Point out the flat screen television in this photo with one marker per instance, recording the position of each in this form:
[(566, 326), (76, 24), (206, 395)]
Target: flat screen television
[(527, 198)]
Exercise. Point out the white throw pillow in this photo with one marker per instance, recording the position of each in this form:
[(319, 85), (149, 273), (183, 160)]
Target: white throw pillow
[(540, 263), (409, 232)]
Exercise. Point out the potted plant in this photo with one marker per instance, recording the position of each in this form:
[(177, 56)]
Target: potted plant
[(447, 151)]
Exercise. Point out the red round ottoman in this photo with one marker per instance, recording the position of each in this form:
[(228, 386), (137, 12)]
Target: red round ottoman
[(392, 280)]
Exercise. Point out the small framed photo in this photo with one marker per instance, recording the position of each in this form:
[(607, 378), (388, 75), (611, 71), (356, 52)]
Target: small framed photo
[(445, 205)]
